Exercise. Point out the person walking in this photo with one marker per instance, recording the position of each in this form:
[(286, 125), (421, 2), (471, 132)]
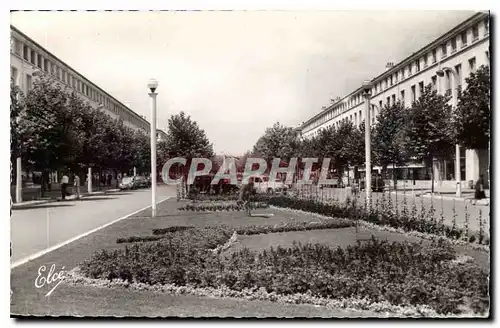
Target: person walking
[(77, 186), (247, 191), (479, 190), (64, 185)]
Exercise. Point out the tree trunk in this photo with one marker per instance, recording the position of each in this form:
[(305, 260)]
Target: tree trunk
[(432, 178)]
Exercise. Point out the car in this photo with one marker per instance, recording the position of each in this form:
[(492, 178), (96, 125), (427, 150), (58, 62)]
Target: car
[(337, 182), (378, 184), (128, 183), (142, 182), (263, 185)]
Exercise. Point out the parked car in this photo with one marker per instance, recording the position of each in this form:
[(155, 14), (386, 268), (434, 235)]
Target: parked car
[(128, 183), (263, 185), (338, 183), (142, 182), (378, 184)]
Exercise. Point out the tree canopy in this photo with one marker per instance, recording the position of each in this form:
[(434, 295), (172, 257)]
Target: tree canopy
[(472, 116)]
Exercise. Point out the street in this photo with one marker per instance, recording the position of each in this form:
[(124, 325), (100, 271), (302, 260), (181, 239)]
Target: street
[(43, 226)]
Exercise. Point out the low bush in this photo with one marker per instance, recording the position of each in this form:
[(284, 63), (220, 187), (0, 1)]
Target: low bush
[(384, 215), (399, 273), (220, 206)]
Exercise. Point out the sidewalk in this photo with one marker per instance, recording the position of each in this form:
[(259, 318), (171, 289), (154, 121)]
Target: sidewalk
[(467, 195), (55, 196)]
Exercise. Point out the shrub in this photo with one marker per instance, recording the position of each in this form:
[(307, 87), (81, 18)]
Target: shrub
[(399, 273)]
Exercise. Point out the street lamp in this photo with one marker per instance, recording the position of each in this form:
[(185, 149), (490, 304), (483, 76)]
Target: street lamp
[(367, 86), (152, 85), (440, 73)]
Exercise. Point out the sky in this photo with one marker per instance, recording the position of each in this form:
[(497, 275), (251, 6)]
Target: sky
[(234, 72)]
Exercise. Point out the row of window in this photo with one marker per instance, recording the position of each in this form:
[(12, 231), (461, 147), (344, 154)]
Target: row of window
[(415, 67), (65, 76), (407, 72), (357, 117)]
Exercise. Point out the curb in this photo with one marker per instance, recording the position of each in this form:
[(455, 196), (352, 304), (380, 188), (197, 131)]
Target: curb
[(53, 200)]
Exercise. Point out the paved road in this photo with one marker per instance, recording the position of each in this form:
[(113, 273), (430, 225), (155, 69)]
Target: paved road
[(43, 226), (445, 204)]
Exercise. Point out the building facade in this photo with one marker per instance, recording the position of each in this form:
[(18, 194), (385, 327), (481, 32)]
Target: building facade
[(27, 57), (456, 54)]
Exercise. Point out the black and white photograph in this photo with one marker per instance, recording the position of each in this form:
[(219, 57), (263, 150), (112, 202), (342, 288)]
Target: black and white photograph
[(250, 164)]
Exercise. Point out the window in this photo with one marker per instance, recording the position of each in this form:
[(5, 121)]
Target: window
[(33, 57), (444, 50), (486, 26), (380, 105), (403, 74), (434, 56), (396, 78), (425, 61), (13, 74), (463, 37), (453, 45), (393, 99), (25, 52), (413, 93), (448, 83), (388, 101), (417, 65), (17, 47), (391, 80), (420, 88), (458, 70), (28, 82), (64, 75), (403, 96), (46, 65), (434, 82), (475, 32), (409, 69), (472, 64), (73, 82), (360, 116), (39, 61), (487, 53), (59, 73)]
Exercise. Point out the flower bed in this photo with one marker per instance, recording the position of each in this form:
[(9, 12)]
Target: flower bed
[(383, 215), (398, 274), (220, 206)]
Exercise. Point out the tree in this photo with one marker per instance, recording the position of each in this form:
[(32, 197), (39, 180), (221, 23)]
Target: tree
[(16, 108), (278, 141), (388, 136), (472, 116), (428, 134), (186, 139), (50, 130)]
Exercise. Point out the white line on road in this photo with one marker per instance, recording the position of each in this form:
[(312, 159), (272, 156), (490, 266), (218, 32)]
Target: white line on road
[(53, 248)]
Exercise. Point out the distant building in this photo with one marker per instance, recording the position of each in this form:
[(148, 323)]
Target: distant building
[(463, 49), (27, 56)]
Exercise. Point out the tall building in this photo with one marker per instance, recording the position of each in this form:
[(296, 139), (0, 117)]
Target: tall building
[(27, 57), (456, 53)]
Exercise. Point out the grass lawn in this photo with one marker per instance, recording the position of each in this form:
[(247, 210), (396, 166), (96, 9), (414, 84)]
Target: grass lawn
[(71, 299)]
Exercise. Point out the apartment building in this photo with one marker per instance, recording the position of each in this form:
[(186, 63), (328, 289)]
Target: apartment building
[(457, 53), (27, 57)]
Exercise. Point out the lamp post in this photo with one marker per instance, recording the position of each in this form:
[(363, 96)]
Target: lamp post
[(367, 85), (440, 73), (152, 85)]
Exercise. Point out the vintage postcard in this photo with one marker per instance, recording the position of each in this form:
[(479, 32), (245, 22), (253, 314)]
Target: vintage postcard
[(250, 164)]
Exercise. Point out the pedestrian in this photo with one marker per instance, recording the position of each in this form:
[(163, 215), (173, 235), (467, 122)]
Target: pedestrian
[(247, 191), (479, 193), (109, 179), (77, 185), (64, 185)]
